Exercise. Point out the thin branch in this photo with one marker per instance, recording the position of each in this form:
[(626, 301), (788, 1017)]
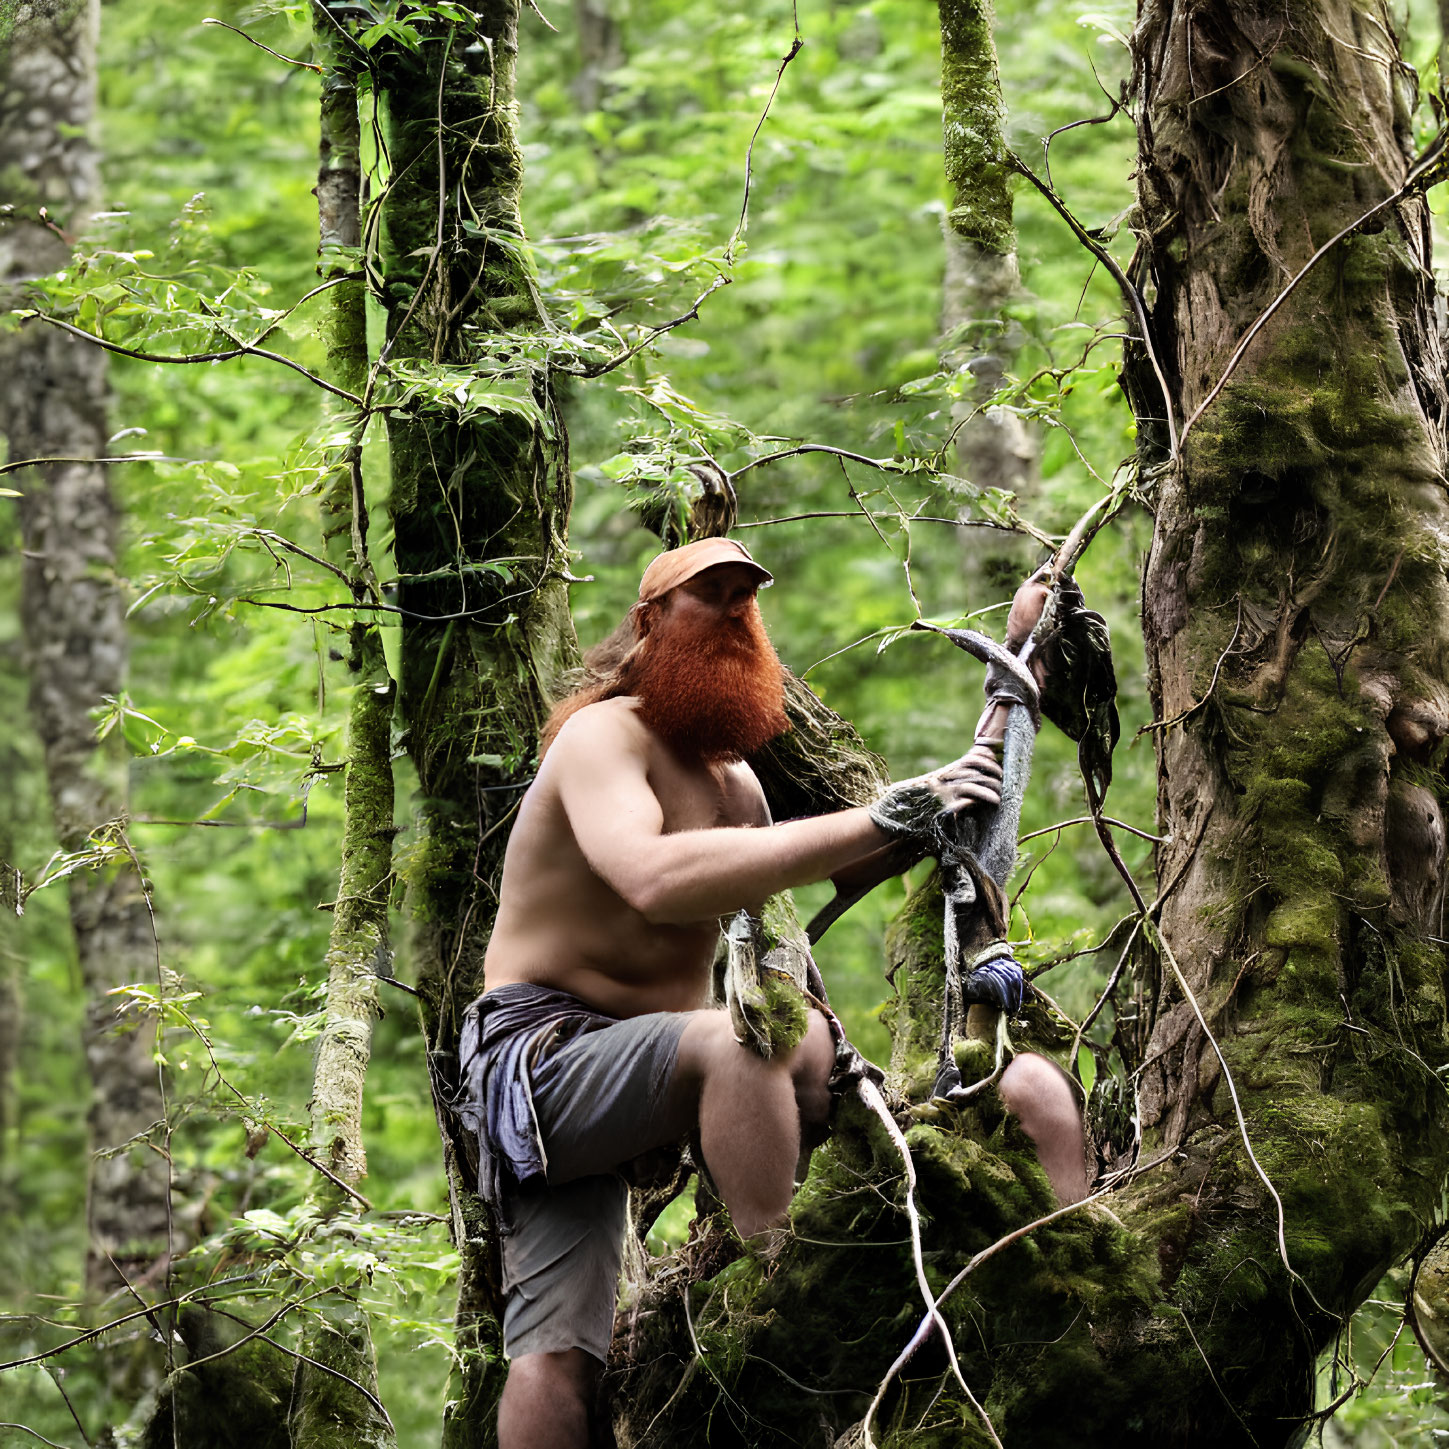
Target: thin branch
[(132, 458), (267, 536), (796, 46), (548, 24), (275, 1131), (90, 1334), (305, 1358), (300, 64), (307, 1157), (1132, 295), (1222, 1394), (1160, 942), (885, 465), (26, 1429), (871, 1098), (915, 518), (267, 1323), (301, 301), (1088, 820), (1212, 683), (926, 1325), (187, 359), (1046, 145), (654, 334)]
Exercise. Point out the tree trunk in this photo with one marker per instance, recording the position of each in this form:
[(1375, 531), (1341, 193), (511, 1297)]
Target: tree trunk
[(982, 276), (601, 50), (52, 404), (480, 498), (327, 1411), (1301, 790)]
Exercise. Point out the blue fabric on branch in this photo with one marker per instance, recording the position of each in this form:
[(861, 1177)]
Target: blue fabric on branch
[(998, 982)]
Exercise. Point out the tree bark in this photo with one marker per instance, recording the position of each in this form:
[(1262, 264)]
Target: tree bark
[(52, 404), (1301, 791), (982, 277), (327, 1410), (480, 498)]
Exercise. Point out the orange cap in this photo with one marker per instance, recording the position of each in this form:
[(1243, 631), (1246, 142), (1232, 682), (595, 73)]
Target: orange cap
[(679, 565)]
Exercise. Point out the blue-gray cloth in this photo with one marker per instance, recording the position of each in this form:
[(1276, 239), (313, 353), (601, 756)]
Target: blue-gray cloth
[(501, 1031)]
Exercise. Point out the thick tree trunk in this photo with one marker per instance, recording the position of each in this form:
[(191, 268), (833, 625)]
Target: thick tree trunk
[(480, 498), (52, 404), (1295, 559)]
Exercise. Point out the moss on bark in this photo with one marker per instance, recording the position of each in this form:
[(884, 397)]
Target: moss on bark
[(480, 497)]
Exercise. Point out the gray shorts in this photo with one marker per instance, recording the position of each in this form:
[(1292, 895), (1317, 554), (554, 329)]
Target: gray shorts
[(601, 1099)]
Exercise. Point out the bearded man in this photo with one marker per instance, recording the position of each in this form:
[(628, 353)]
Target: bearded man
[(592, 1044)]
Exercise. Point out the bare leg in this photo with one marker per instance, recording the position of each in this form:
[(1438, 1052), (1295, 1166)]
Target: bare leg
[(548, 1401), (1042, 1097), (751, 1110)]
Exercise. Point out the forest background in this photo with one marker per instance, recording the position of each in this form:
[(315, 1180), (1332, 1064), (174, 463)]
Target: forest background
[(638, 150)]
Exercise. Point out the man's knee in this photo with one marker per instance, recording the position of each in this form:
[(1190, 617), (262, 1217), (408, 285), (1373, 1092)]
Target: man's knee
[(1037, 1090), (1045, 1102), (566, 1370), (708, 1047), (811, 1065)]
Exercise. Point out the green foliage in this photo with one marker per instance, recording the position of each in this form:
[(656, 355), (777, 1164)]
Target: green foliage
[(685, 328)]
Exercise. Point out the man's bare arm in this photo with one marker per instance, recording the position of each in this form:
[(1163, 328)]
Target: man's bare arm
[(600, 763)]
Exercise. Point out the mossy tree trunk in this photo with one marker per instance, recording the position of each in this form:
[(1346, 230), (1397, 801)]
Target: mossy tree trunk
[(338, 1408), (53, 405), (480, 497), (982, 278), (1296, 547)]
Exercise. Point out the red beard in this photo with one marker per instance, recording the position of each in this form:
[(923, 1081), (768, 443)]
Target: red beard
[(711, 690)]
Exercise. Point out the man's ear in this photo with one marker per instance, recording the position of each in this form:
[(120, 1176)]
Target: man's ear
[(645, 615)]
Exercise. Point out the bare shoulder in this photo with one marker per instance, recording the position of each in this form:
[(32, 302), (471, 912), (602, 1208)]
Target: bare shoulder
[(610, 729)]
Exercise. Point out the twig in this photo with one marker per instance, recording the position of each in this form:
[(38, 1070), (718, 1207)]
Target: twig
[(915, 518), (26, 1429), (187, 359), (1160, 942), (90, 1334), (1212, 683), (275, 1131), (548, 24), (795, 47), (885, 465), (305, 1358), (1221, 1392), (132, 458), (300, 64), (654, 334), (1431, 157), (1087, 820), (871, 1098), (924, 1328), (1132, 295), (306, 1156)]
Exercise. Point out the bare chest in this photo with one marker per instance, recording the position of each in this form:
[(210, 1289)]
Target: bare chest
[(702, 797)]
